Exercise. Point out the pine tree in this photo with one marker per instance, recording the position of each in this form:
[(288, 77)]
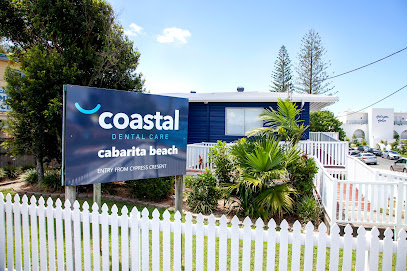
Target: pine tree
[(281, 77), (312, 67)]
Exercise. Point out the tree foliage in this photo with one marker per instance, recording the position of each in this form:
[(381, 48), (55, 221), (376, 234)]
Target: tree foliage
[(281, 77), (59, 42), (312, 67), (284, 121), (325, 121)]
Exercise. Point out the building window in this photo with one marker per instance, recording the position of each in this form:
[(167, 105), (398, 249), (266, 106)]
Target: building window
[(241, 120)]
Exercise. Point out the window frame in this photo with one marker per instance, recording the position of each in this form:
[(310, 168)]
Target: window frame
[(244, 118)]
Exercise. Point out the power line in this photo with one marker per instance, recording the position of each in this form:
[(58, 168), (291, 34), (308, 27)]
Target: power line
[(375, 102), (364, 66)]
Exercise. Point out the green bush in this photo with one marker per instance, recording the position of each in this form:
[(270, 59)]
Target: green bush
[(29, 176), (301, 175), (152, 189), (204, 195), (10, 172), (224, 169), (188, 180), (2, 174), (308, 209), (52, 180)]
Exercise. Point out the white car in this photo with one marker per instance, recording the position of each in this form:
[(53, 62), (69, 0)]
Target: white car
[(399, 165), (368, 158), (392, 155)]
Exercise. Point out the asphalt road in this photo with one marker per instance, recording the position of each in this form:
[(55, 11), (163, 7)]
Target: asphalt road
[(383, 163)]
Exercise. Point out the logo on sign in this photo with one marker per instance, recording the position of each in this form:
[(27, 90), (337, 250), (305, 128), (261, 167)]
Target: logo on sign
[(381, 118)]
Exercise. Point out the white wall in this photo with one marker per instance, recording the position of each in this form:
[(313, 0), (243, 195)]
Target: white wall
[(381, 124)]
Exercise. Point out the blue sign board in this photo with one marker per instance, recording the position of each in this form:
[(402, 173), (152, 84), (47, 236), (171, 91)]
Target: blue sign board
[(112, 135), (3, 98)]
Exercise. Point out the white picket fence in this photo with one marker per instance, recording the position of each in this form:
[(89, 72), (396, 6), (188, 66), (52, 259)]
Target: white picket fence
[(36, 236), (330, 153), (378, 198)]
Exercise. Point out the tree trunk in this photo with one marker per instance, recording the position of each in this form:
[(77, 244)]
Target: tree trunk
[(40, 168)]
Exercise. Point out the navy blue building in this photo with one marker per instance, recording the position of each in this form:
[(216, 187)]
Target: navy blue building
[(227, 116)]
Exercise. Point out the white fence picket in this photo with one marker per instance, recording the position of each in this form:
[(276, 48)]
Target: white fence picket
[(234, 244), (34, 234), (104, 218), (361, 249), (51, 234), (188, 242), (114, 237), (77, 236), (373, 260), (155, 242), (167, 241), (308, 247), (124, 224), (321, 256), (283, 246), (211, 244), (43, 234), (87, 261), (2, 234), (387, 250), (17, 231), (68, 236), (53, 222), (135, 239), (145, 240), (177, 242), (95, 237), (26, 233), (258, 256), (401, 251), (60, 235), (296, 246), (247, 242)]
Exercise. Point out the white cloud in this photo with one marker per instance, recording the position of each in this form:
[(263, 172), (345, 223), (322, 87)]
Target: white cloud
[(134, 30), (174, 34)]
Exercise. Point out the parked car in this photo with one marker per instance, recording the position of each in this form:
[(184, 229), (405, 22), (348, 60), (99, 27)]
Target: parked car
[(399, 165), (363, 148), (368, 158), (376, 152), (354, 153), (350, 149), (392, 155)]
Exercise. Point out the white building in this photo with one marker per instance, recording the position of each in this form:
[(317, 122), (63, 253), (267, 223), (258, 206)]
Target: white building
[(375, 125)]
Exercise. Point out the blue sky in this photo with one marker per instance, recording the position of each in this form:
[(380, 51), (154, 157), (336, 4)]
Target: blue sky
[(215, 46)]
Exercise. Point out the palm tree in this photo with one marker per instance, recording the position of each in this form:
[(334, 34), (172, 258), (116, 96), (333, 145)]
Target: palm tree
[(283, 121), (264, 175)]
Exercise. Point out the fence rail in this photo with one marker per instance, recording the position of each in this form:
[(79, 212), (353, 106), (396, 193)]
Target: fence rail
[(330, 153), (41, 237), (362, 195)]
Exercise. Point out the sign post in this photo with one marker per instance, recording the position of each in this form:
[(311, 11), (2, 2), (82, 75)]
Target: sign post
[(179, 187)]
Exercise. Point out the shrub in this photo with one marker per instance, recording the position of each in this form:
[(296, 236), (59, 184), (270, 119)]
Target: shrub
[(302, 174), (10, 172), (308, 209), (363, 141), (29, 176), (2, 174), (153, 189), (52, 180), (204, 195), (223, 165), (188, 180), (109, 188)]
